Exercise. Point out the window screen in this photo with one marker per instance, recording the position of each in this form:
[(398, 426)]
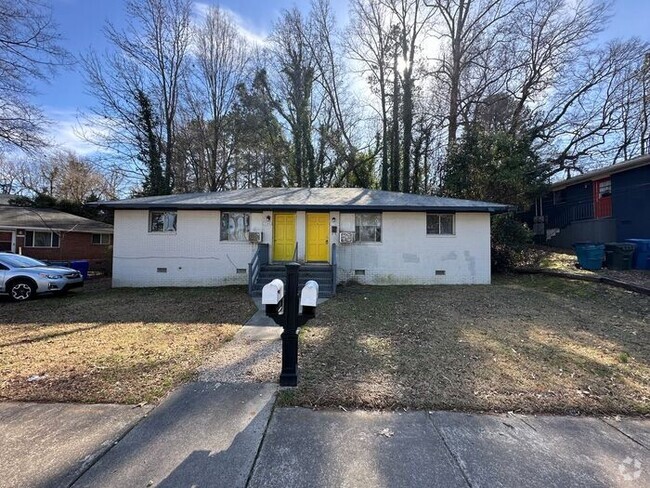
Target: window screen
[(440, 224), (367, 227)]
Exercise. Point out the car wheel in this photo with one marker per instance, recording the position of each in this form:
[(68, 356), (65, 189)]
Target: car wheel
[(21, 291)]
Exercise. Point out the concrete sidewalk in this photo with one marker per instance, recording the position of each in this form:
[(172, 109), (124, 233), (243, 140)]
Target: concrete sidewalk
[(228, 435), (305, 448), (203, 434), (45, 445)]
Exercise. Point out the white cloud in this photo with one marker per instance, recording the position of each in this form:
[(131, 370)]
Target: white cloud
[(64, 131), (245, 27)]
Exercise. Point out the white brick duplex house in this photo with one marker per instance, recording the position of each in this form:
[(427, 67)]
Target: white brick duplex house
[(242, 236)]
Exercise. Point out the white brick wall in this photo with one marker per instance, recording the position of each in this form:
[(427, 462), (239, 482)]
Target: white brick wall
[(194, 255), (407, 255)]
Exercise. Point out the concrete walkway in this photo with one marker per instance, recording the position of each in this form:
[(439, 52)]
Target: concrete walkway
[(252, 356)]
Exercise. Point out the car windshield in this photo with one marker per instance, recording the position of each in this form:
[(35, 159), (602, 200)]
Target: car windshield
[(18, 261)]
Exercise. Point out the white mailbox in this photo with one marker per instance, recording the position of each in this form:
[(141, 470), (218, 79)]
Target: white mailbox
[(309, 298), (273, 292), (272, 296)]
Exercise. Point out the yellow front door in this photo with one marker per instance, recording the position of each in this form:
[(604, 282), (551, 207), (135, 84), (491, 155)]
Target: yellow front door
[(284, 236), (317, 237)]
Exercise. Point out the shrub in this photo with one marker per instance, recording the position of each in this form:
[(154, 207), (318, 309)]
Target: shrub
[(510, 238)]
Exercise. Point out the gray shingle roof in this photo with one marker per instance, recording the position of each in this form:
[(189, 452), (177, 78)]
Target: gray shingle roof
[(48, 218), (308, 199)]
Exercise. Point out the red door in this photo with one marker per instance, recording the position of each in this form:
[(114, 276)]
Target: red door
[(603, 198)]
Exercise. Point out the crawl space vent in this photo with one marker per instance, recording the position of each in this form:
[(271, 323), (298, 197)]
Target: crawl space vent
[(161, 270), (440, 272), (241, 270), (359, 272)]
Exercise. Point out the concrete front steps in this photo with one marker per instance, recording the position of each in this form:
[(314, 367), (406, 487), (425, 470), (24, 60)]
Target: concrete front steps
[(321, 273)]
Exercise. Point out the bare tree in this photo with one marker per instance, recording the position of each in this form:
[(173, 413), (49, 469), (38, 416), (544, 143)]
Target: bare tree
[(221, 57), (570, 93), (413, 19), (150, 56), (30, 50), (369, 43), (290, 87), (473, 29), (645, 104), (65, 175), (345, 136)]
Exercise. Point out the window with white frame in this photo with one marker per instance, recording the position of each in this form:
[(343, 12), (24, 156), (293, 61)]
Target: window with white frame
[(235, 226), (34, 238), (367, 227), (441, 224), (101, 239), (604, 188), (162, 221)]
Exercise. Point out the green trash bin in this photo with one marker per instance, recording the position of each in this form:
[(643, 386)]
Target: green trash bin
[(618, 255)]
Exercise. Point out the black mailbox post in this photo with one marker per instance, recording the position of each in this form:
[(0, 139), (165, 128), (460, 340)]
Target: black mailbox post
[(290, 320)]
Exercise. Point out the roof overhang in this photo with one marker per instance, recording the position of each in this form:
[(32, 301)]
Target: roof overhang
[(601, 173), (308, 208), (99, 230)]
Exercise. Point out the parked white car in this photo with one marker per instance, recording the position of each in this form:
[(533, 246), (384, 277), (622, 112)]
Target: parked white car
[(23, 278)]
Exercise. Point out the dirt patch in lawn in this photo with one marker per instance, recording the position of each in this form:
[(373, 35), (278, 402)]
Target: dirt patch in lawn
[(526, 343), (121, 345)]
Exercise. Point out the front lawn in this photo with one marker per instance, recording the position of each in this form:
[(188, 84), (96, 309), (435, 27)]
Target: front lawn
[(526, 343), (121, 345)]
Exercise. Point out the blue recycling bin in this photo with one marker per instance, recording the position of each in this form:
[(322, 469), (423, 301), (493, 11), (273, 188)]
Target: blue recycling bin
[(82, 265), (641, 258), (590, 255)]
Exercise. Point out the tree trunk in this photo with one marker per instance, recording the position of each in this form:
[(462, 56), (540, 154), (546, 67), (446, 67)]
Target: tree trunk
[(394, 142)]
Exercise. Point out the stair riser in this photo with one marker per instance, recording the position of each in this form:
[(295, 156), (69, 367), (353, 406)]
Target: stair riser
[(320, 282), (328, 294)]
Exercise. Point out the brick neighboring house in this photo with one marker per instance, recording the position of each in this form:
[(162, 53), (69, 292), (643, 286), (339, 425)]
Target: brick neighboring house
[(50, 234)]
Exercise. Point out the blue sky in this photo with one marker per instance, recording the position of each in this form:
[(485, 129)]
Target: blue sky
[(81, 23)]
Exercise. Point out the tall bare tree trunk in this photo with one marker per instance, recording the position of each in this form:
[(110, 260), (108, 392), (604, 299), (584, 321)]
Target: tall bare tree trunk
[(394, 139)]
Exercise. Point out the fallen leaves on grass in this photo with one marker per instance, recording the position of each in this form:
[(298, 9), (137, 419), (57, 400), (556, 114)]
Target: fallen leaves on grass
[(525, 344), (125, 346)]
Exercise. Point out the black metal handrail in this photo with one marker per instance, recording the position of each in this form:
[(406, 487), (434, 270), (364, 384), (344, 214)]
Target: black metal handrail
[(295, 253), (566, 213), (260, 258), (334, 266)]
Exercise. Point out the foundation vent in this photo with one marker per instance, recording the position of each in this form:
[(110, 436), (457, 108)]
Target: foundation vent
[(359, 272), (440, 272)]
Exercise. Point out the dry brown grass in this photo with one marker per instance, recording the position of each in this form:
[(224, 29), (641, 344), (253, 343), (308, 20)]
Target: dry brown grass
[(122, 345), (526, 343), (565, 261)]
